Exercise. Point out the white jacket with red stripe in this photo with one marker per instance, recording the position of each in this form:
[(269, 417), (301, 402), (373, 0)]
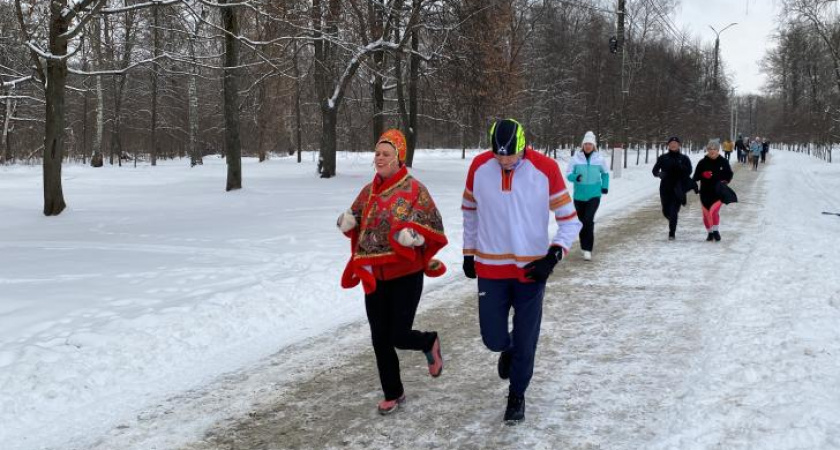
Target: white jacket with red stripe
[(506, 213)]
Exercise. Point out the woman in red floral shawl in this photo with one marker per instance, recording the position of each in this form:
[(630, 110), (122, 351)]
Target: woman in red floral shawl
[(395, 229)]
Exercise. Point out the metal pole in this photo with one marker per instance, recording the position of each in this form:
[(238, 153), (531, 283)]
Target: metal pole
[(717, 50), (732, 115), (717, 55), (624, 88)]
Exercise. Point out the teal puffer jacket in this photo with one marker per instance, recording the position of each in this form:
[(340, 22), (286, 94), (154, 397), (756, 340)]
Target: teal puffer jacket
[(594, 175)]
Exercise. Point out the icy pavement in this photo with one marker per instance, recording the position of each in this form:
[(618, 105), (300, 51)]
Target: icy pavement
[(656, 344)]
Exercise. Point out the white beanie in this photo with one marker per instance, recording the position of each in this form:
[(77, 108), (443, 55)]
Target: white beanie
[(589, 138)]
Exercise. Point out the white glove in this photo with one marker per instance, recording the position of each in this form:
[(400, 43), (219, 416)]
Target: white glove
[(346, 221), (410, 238)]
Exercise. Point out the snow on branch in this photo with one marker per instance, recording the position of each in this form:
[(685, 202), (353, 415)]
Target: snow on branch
[(137, 6), (353, 65), (118, 71), (380, 45), (74, 11), (6, 84), (21, 97), (47, 55)]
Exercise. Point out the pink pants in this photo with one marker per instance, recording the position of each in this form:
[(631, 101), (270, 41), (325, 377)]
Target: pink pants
[(711, 217)]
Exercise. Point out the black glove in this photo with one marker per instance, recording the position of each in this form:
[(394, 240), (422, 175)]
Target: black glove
[(540, 269), (605, 190), (469, 266), (579, 178)]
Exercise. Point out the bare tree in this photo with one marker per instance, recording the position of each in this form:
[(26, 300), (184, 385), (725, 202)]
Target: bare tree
[(335, 69), (65, 22), (233, 150)]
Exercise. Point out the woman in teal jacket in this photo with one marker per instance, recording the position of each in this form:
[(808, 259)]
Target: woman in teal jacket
[(755, 152), (591, 177)]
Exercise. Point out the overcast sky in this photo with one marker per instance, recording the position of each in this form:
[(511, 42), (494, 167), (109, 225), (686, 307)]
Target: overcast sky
[(741, 46)]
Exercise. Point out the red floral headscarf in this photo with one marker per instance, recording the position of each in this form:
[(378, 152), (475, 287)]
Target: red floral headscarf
[(396, 138)]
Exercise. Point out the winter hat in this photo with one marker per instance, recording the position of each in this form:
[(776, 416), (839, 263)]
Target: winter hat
[(396, 138), (674, 139), (714, 143), (507, 137), (589, 138)]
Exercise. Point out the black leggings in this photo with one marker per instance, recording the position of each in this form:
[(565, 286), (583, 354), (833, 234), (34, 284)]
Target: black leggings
[(586, 213), (671, 205), (390, 311)]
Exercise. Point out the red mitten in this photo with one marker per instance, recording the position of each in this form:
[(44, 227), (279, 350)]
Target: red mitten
[(707, 174), (435, 268)]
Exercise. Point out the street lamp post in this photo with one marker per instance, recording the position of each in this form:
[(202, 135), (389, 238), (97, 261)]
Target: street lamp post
[(717, 47), (733, 117)]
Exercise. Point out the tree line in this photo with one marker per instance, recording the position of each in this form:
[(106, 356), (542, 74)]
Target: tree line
[(117, 81), (802, 105)]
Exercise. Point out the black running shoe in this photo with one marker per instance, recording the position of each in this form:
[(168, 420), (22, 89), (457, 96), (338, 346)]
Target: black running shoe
[(515, 411), (717, 235), (504, 364), (710, 237), (672, 236)]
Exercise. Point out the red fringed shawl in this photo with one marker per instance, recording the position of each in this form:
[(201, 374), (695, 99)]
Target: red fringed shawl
[(382, 209)]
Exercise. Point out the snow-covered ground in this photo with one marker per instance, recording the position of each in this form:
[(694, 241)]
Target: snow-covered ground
[(769, 369), (156, 282)]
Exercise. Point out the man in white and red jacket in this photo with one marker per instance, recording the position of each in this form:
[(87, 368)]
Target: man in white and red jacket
[(510, 194)]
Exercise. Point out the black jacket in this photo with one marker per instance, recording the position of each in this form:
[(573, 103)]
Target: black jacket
[(674, 169), (739, 145), (710, 172)]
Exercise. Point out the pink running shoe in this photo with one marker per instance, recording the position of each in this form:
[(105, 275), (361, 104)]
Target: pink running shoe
[(390, 406), (435, 359)]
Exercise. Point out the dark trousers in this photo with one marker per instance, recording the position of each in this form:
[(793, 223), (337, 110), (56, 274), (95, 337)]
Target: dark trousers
[(763, 155), (727, 154), (586, 214), (390, 311), (670, 209), (495, 298)]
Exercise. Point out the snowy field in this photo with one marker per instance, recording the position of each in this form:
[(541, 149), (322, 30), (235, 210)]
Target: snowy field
[(156, 282)]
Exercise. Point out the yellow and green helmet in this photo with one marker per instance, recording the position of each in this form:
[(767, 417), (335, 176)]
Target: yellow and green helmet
[(507, 137)]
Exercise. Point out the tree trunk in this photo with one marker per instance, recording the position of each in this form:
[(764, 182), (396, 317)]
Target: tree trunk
[(116, 143), (195, 155), (85, 123), (264, 120), (297, 106), (5, 138), (323, 71), (192, 86), (54, 127), (376, 18), (156, 50), (96, 156), (329, 122), (413, 81), (233, 151), (378, 96), (401, 104)]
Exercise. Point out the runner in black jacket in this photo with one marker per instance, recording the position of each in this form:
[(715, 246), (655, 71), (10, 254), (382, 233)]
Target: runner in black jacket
[(742, 150), (710, 171), (673, 168)]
